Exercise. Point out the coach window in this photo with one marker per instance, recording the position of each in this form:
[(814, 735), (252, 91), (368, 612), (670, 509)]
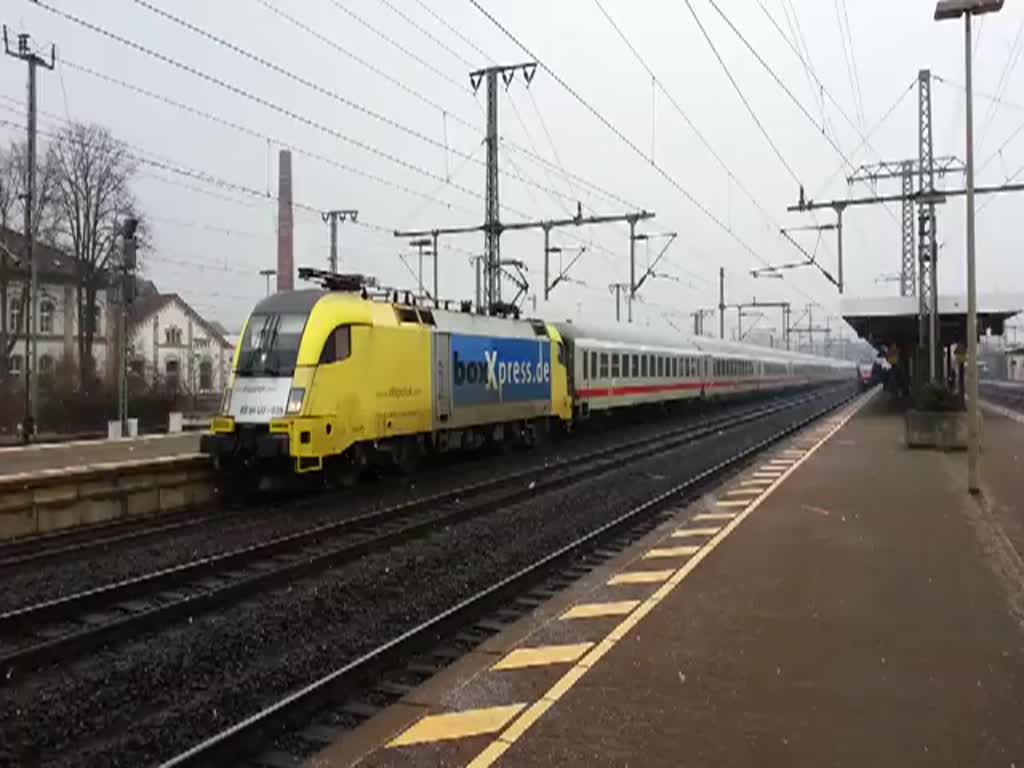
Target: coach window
[(675, 367), (636, 366), (338, 345), (604, 365), (643, 366), (615, 365)]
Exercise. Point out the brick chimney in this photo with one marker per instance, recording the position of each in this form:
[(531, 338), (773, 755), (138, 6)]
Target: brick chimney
[(285, 223)]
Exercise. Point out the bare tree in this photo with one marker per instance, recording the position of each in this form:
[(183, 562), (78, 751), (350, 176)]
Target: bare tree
[(45, 225), (93, 195)]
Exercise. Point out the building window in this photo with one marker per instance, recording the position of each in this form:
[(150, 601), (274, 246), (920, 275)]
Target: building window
[(205, 375), (46, 312), (172, 370), (172, 336), (14, 365), (45, 366), (14, 314), (137, 366)]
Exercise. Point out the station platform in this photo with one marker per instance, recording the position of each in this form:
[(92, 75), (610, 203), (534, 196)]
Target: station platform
[(48, 457), (844, 603)]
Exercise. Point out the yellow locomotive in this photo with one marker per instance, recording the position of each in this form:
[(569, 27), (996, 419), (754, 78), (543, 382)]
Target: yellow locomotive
[(331, 379)]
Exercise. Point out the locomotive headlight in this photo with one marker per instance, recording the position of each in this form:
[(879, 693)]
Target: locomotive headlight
[(295, 398)]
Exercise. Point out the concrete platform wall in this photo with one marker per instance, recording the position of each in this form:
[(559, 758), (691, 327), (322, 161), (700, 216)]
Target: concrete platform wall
[(38, 503)]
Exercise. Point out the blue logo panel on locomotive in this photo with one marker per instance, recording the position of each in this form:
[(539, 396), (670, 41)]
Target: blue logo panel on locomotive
[(487, 371)]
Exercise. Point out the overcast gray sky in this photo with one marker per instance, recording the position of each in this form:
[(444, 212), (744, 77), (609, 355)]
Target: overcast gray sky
[(210, 244)]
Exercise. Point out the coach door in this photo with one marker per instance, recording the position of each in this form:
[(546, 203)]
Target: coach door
[(442, 377)]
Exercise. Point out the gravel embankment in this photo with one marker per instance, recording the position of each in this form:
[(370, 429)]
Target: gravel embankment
[(144, 701)]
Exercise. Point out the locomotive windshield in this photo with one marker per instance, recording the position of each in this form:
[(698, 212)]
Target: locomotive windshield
[(270, 345)]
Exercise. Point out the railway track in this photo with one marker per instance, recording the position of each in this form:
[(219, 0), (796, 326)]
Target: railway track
[(1007, 395), (60, 629), (311, 716)]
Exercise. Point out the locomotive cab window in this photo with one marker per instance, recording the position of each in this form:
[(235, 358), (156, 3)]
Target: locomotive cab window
[(561, 353), (338, 346)]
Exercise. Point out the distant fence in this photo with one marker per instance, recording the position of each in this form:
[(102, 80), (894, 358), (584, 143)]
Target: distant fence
[(73, 415)]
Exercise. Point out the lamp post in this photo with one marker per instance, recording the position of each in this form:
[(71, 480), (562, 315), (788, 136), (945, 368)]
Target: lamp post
[(954, 9), (268, 273)]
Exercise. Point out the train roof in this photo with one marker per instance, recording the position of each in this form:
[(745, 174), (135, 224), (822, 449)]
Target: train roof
[(386, 313), (683, 342)]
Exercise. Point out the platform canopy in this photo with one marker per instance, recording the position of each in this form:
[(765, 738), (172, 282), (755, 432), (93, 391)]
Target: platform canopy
[(887, 320)]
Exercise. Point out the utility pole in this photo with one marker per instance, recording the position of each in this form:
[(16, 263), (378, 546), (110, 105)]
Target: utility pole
[(332, 218), (721, 302), (926, 221), (617, 289), (492, 220), (906, 171), (128, 262), (543, 224), (634, 284), (698, 320), (268, 273), (908, 269), (33, 60), (632, 266), (419, 244)]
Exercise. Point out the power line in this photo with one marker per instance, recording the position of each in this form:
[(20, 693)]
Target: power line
[(682, 113), (803, 53), (278, 69), (462, 121), (865, 141), (743, 98), (263, 101), (246, 130), (551, 143), (850, 57), (462, 86), (455, 31), (1004, 81), (462, 59), (416, 93), (255, 98), (621, 136), (776, 78)]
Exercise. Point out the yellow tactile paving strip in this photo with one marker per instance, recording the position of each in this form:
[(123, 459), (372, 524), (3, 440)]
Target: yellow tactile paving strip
[(521, 658), (457, 725), (640, 577), (702, 533), (595, 610)]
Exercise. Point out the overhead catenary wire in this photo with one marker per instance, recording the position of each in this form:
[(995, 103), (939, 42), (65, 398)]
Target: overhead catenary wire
[(686, 118), (427, 34), (803, 52), (262, 101), (767, 67), (620, 135), (850, 57), (1005, 77), (743, 98)]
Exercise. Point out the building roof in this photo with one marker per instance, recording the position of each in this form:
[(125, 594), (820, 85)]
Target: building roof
[(145, 306), (49, 260), (889, 320)]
